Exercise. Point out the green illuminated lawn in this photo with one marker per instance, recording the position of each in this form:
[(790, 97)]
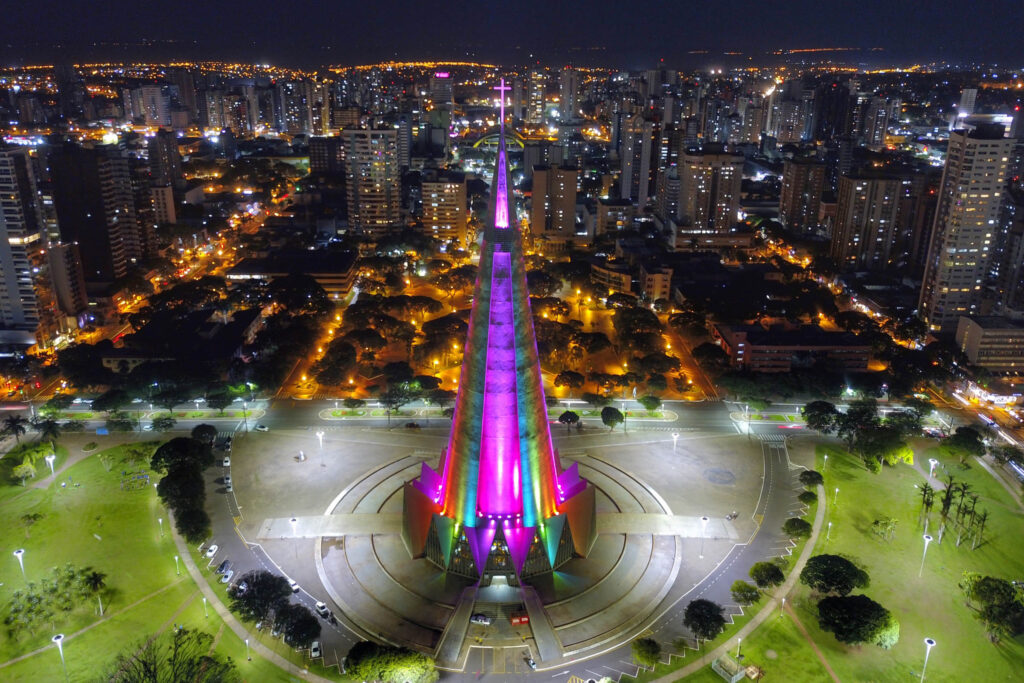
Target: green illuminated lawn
[(927, 607)]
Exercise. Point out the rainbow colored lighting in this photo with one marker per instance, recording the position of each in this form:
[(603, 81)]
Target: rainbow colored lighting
[(500, 469)]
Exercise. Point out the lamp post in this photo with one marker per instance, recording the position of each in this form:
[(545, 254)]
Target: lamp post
[(929, 643), (782, 608), (703, 528), (835, 498), (197, 404), (247, 655), (206, 613), (58, 640), (932, 462), (20, 554), (927, 540), (739, 641), (825, 464), (49, 461), (295, 544), (828, 534), (177, 567), (320, 436), (245, 415), (675, 438), (160, 521)]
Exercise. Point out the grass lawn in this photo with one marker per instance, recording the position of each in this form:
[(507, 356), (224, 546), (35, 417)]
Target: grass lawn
[(930, 606), (347, 413), (116, 532), (11, 487)]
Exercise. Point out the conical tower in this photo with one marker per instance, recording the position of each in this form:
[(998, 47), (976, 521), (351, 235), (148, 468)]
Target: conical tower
[(500, 502)]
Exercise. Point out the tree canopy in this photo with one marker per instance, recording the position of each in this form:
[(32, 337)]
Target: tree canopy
[(856, 619), (833, 574)]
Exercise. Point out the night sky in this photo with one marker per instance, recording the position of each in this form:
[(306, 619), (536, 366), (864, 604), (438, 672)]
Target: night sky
[(620, 33)]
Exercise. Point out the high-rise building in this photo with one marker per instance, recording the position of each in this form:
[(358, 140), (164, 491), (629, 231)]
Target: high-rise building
[(22, 242), (444, 213), (967, 219), (553, 207), (709, 189), (637, 157), (538, 89), (499, 504), (92, 192), (968, 97), (803, 181), (441, 90), (867, 210), (326, 154), (296, 107), (165, 160), (666, 201), (68, 280), (569, 93), (875, 122), (372, 179)]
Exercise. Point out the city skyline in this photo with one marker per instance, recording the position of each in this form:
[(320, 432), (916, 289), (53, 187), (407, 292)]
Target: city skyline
[(683, 35)]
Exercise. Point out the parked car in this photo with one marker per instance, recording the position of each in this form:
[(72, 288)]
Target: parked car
[(227, 480), (241, 588), (530, 663), (212, 550), (314, 650), (481, 619), (230, 574), (227, 461), (321, 609), (262, 428), (223, 567)]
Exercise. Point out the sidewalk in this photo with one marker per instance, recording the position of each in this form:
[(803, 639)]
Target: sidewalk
[(214, 601), (767, 611)]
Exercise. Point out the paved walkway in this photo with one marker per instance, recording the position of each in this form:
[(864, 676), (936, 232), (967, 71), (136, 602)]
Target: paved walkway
[(213, 599), (765, 613)]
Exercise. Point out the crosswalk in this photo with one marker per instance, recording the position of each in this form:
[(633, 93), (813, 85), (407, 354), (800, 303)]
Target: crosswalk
[(772, 438)]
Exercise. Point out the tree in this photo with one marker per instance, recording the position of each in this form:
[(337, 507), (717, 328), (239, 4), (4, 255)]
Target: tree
[(833, 575), (368, 661), (181, 451), (568, 378), (879, 443), (48, 430), (710, 356), (650, 402), (219, 401), (193, 523), (646, 652), (964, 442), (998, 607), (811, 478), (821, 416), (118, 421), (611, 417), (808, 497), (111, 400), (29, 519), (182, 487), (906, 422), (95, 581), (396, 396), (164, 423), (596, 400), (744, 593), (299, 626), (569, 418), (855, 619), (796, 527), (704, 619), (766, 575), (181, 655), (168, 398), (266, 592), (204, 433), (57, 404), (26, 470), (15, 425), (353, 403)]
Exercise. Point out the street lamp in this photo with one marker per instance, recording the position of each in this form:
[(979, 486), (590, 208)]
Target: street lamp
[(929, 643), (927, 540), (825, 463), (49, 461), (828, 535), (205, 612), (58, 640), (197, 404), (675, 438), (703, 528), (836, 496), (932, 462), (177, 568), (160, 521), (20, 554), (247, 656), (739, 641), (245, 415)]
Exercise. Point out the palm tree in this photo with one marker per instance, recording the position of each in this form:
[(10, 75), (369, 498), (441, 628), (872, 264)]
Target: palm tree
[(15, 425), (49, 430), (95, 581)]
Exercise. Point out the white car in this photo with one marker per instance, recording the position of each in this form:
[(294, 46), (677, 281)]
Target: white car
[(321, 609), (262, 428), (227, 480), (314, 650), (212, 550), (294, 585), (228, 575), (481, 619), (227, 461)]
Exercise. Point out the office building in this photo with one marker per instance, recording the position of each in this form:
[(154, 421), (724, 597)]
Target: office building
[(709, 189), (637, 156), (781, 348), (67, 278), (992, 342), (967, 219), (614, 215), (803, 181), (553, 206), (535, 97), (865, 230), (22, 242), (568, 93), (372, 179), (165, 160), (326, 154)]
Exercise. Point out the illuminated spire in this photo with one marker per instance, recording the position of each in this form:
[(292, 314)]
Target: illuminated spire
[(500, 480)]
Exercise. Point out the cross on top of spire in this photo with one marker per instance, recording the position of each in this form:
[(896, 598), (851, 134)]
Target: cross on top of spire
[(501, 97)]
